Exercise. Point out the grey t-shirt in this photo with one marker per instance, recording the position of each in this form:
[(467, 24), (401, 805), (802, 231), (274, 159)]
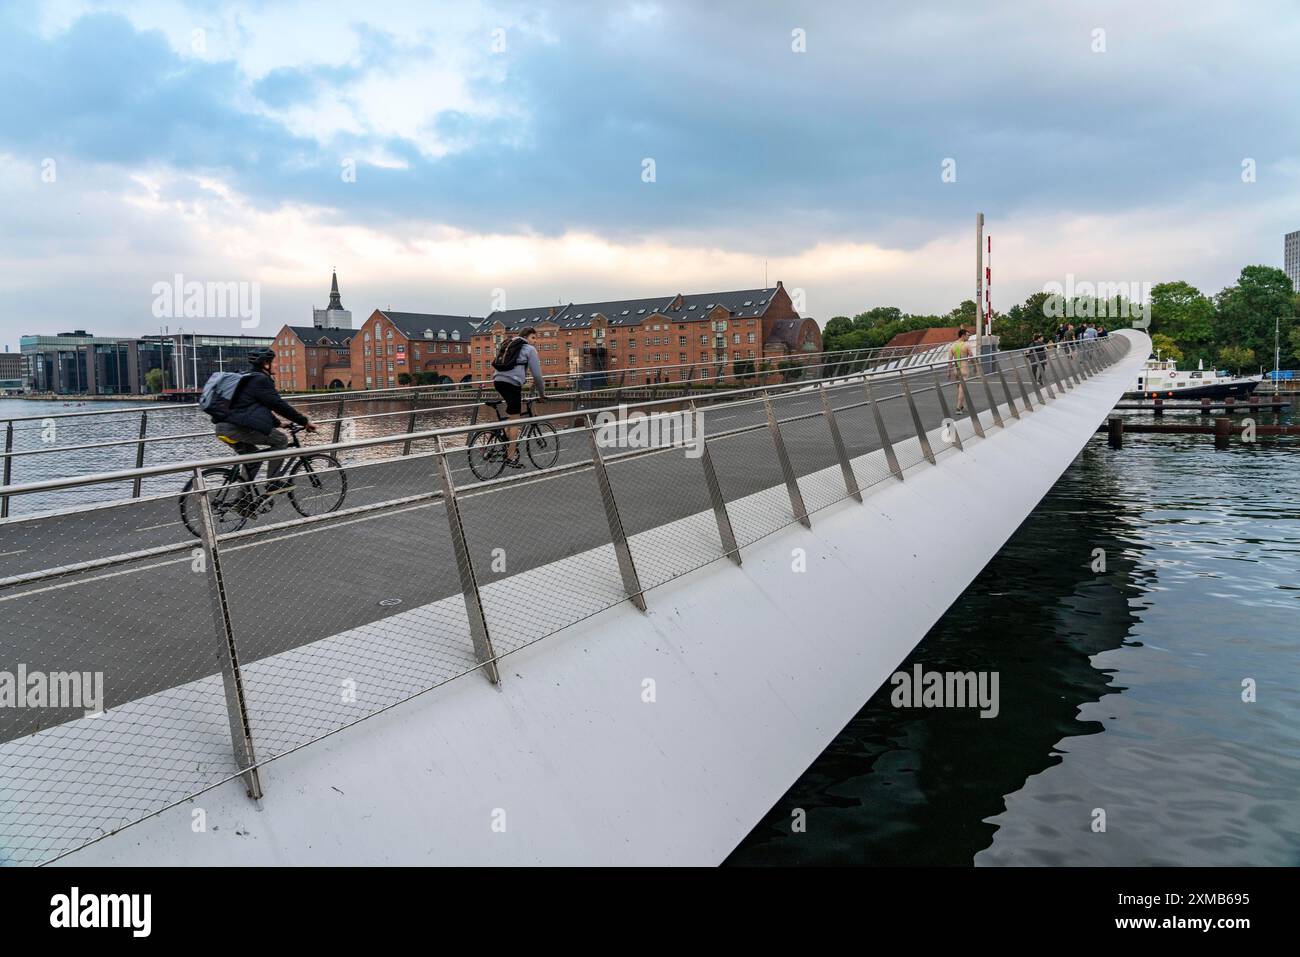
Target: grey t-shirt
[(526, 362)]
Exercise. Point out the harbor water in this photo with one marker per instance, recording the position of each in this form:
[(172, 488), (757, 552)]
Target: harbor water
[(1149, 709)]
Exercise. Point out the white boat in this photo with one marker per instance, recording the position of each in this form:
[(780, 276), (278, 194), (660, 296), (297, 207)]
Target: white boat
[(1160, 378)]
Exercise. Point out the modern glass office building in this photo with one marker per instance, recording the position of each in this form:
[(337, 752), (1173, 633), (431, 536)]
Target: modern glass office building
[(78, 363)]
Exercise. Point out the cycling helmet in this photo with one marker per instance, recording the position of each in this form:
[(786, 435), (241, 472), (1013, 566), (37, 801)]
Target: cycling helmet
[(261, 357)]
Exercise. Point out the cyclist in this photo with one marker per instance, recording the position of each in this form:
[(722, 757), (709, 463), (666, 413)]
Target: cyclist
[(515, 359), (251, 423)]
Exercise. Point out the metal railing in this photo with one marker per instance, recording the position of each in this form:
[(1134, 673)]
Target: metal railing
[(59, 444), (221, 650)]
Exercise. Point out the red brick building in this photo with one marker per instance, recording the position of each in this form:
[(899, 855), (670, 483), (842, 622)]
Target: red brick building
[(392, 346), (699, 333), (308, 357)]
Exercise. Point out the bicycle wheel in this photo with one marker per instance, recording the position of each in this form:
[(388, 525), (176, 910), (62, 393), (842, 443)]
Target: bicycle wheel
[(225, 487), (317, 484), (486, 452), (542, 443)]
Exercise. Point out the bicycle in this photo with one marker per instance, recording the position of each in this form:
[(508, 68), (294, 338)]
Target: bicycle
[(486, 449), (316, 485)]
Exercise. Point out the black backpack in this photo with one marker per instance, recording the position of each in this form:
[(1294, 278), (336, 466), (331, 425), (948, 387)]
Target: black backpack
[(507, 356)]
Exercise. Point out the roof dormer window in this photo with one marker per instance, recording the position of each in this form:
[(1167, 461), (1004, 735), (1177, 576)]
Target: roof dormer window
[(428, 333), (442, 333)]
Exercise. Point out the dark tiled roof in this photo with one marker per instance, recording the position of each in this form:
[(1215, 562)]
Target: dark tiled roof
[(414, 325), (629, 312), (313, 334), (619, 312), (740, 302), (517, 318)]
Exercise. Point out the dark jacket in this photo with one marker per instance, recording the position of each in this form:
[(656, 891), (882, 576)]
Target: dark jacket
[(254, 402)]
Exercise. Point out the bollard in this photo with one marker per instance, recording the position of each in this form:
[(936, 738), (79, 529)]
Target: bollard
[(1205, 405), (1116, 432), (1160, 407), (1222, 429)]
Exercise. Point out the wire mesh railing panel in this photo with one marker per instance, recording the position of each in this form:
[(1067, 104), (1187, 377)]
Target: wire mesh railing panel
[(541, 553), (902, 430), (862, 440), (138, 639), (752, 483), (807, 439), (340, 619), (664, 503)]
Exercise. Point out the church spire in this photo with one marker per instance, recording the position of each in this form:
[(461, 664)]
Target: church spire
[(335, 303)]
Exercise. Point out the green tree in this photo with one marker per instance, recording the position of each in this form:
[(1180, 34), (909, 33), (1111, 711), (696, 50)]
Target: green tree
[(403, 378), (1181, 312), (1165, 347), (1246, 313), (153, 380), (1236, 358)]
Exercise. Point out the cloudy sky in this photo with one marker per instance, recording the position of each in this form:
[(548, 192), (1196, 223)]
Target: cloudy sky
[(436, 153)]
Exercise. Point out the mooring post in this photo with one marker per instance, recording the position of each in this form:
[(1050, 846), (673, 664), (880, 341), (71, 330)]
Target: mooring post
[(1160, 407), (1222, 429), (1116, 436)]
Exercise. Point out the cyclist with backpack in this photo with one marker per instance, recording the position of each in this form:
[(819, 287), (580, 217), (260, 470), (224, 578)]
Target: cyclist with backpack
[(243, 409), (516, 358)]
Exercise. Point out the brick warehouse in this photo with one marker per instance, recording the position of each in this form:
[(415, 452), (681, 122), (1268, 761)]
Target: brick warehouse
[(696, 331), (699, 332), (391, 343), (308, 357)]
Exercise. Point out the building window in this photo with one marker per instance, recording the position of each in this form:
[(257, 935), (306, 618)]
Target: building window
[(704, 339), (750, 338), (681, 340), (735, 338)]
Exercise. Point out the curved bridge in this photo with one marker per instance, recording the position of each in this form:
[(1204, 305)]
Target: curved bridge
[(712, 616)]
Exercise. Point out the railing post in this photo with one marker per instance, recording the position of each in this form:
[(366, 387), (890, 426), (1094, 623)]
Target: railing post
[(1025, 393), (916, 421), (850, 480), (947, 413), (410, 425), (1006, 389), (1034, 379), (241, 729), (139, 453), (1058, 369), (478, 404), (338, 422), (1046, 372), (791, 483), (626, 567), (885, 444), (1023, 390), (478, 629), (1073, 364), (720, 514), (988, 391), (9, 467)]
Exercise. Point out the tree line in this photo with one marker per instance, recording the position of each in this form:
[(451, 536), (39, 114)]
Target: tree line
[(1232, 329)]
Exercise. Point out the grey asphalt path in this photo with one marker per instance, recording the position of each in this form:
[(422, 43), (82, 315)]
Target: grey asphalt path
[(148, 624)]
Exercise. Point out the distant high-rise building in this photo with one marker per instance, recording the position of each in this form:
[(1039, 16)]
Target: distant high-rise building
[(333, 316), (1291, 258)]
